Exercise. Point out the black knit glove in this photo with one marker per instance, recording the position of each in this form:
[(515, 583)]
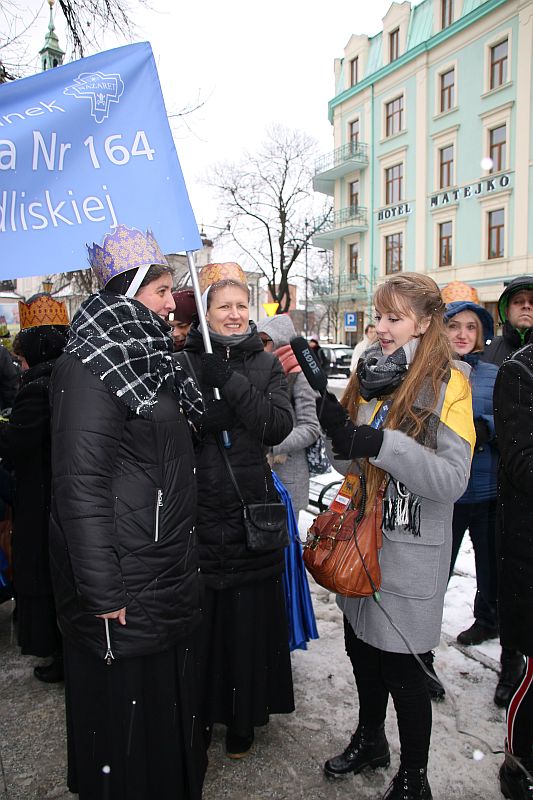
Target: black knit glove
[(361, 441), (482, 431), (217, 417), (215, 370), (330, 413)]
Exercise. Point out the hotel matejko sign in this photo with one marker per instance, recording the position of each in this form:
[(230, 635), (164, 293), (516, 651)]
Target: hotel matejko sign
[(486, 186)]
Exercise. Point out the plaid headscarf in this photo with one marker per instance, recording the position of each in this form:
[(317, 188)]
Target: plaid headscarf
[(128, 347)]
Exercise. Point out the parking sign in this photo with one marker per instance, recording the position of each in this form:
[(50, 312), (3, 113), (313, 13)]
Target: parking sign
[(350, 320)]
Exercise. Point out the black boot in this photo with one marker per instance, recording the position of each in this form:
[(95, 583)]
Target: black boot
[(477, 633), (511, 673), (514, 782), (51, 673), (238, 745), (368, 748), (409, 784), (436, 689)]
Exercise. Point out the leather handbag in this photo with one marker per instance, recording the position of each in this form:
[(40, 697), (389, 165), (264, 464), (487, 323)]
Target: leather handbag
[(342, 548), (265, 524)]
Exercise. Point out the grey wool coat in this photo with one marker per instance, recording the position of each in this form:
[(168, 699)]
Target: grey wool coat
[(292, 467), (415, 569)]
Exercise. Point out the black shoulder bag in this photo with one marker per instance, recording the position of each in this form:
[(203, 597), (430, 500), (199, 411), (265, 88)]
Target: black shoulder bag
[(265, 523)]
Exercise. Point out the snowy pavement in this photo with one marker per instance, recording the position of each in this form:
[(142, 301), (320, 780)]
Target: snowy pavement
[(286, 762)]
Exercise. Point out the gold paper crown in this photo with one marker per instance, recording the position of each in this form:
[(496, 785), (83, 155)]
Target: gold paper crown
[(124, 249), (457, 290), (44, 310), (227, 270)]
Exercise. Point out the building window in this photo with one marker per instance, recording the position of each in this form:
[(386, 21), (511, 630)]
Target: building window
[(497, 147), (446, 166), (354, 71), (394, 116), (353, 132), (496, 233), (447, 90), (394, 44), (498, 64), (446, 13), (445, 244), (393, 253), (394, 184), (354, 193), (354, 261)]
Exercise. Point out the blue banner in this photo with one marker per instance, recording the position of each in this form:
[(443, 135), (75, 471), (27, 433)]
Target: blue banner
[(84, 147)]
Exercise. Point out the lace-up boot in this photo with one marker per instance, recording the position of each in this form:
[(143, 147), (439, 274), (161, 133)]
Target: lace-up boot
[(409, 784), (368, 748)]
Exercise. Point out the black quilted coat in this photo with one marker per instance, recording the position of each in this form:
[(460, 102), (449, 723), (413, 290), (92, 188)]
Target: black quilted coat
[(513, 418), (122, 519), (25, 442), (257, 393)]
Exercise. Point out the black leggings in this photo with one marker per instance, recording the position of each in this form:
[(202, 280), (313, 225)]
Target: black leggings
[(379, 673)]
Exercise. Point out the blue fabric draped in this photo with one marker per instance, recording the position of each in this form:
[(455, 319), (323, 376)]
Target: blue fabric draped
[(302, 624)]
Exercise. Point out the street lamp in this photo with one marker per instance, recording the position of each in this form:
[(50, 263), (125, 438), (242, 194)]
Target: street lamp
[(47, 286)]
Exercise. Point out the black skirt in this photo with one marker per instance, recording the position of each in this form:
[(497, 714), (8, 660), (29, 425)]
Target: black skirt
[(133, 728), (244, 655)]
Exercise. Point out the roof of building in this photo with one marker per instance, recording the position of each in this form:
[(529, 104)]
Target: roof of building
[(420, 32)]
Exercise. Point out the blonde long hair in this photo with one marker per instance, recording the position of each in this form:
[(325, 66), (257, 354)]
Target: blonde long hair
[(417, 296)]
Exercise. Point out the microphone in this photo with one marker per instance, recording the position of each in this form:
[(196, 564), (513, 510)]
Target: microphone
[(316, 377)]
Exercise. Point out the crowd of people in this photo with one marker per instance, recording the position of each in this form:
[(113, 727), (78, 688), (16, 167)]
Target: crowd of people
[(137, 446)]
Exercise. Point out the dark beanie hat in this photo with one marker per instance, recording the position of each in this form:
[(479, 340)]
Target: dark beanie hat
[(185, 306)]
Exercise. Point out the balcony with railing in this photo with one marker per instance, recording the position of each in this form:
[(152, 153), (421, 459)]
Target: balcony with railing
[(330, 167), (346, 286), (344, 222)]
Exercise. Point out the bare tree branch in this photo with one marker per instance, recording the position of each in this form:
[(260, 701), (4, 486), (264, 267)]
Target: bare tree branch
[(268, 200)]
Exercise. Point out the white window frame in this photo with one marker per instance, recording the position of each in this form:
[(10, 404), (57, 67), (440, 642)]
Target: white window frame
[(495, 39), (493, 119), (437, 16), (441, 71), (441, 140), (397, 156), (488, 204), (448, 214), (393, 96), (387, 229)]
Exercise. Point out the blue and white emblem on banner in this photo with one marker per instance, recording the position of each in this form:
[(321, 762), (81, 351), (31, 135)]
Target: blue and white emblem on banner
[(86, 147), (101, 90)]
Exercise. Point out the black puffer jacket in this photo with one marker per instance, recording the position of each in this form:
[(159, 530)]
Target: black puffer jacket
[(257, 393), (513, 401), (25, 442), (122, 520)]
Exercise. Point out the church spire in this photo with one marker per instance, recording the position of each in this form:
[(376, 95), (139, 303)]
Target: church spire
[(51, 54)]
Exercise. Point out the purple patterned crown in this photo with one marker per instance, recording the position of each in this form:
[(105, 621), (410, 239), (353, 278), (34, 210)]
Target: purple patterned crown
[(124, 249)]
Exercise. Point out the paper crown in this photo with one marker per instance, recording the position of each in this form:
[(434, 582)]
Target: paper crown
[(44, 310), (122, 250), (213, 273), (456, 290)]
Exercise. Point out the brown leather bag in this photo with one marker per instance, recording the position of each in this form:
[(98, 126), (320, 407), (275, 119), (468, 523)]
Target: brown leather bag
[(342, 549)]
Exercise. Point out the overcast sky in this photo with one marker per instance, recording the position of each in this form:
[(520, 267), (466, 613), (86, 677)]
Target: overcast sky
[(253, 64)]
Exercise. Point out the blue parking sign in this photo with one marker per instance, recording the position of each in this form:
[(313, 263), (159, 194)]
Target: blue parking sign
[(350, 320)]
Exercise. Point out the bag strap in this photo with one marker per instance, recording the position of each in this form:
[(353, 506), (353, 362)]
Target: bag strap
[(231, 473)]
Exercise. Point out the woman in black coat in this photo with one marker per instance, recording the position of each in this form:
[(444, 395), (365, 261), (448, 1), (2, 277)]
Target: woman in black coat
[(25, 444), (123, 546), (513, 402), (245, 659)]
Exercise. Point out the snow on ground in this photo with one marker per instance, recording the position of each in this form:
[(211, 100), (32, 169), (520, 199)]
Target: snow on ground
[(286, 762)]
